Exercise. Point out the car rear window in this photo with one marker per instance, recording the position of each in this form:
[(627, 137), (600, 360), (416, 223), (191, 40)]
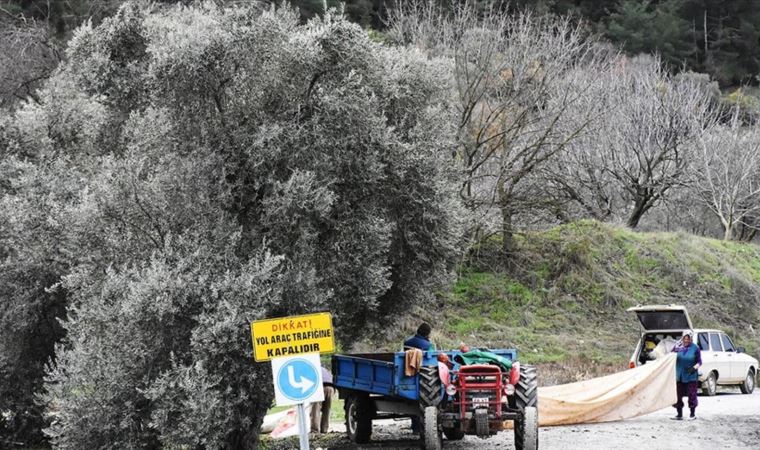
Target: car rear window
[(702, 342), (728, 346), (715, 342)]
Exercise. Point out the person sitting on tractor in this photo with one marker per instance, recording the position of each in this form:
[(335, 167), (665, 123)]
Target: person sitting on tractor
[(421, 340)]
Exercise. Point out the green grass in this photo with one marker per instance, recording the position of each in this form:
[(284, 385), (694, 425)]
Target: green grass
[(562, 302)]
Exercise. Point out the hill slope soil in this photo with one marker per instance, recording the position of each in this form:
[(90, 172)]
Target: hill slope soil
[(562, 298)]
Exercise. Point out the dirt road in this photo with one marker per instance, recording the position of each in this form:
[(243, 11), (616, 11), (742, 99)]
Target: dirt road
[(727, 421)]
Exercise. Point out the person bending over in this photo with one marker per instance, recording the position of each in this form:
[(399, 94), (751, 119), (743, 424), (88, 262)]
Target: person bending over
[(320, 411)]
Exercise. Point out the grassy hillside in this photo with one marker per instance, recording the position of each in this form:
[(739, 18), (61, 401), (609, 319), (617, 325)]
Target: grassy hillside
[(562, 301)]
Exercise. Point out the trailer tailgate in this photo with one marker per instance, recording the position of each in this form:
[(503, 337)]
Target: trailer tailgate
[(363, 374)]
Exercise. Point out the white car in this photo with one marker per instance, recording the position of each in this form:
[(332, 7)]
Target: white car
[(722, 363)]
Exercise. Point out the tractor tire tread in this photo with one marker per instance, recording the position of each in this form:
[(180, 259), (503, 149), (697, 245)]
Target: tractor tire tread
[(526, 391), (431, 388)]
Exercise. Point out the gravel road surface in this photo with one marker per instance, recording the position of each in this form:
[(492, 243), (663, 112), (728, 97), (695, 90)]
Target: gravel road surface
[(727, 421)]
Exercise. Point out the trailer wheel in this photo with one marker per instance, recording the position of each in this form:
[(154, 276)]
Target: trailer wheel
[(453, 434), (526, 430), (526, 391), (359, 413), (431, 429), (431, 388)]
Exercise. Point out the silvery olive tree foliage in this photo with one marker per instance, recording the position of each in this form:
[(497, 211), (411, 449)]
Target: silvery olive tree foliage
[(188, 170), (28, 56), (727, 175), (642, 143), (516, 82)]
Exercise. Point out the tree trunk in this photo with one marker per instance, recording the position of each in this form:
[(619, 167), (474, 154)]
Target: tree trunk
[(639, 208), (728, 234), (506, 209), (508, 238)]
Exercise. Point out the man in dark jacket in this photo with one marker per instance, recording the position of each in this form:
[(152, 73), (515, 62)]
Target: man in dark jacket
[(421, 340)]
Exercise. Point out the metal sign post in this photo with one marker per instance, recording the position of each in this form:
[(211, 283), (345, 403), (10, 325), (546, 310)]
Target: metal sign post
[(303, 429), (293, 344), (297, 381)]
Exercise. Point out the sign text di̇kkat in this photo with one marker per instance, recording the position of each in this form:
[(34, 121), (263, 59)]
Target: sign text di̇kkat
[(294, 335)]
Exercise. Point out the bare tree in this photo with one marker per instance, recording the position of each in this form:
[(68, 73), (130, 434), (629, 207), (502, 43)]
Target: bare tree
[(655, 128), (728, 174), (511, 79), (641, 144), (578, 180)]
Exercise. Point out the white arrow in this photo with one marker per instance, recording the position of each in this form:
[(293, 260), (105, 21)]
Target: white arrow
[(304, 383)]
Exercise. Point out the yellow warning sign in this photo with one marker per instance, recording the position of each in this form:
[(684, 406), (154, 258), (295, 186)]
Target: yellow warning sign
[(294, 335)]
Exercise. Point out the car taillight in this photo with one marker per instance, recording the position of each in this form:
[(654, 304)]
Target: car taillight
[(631, 365)]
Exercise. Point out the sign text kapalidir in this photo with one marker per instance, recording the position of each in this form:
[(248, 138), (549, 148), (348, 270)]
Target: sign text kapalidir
[(294, 335)]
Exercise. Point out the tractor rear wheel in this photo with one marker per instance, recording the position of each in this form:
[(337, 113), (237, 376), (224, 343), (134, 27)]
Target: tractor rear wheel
[(526, 391), (431, 387)]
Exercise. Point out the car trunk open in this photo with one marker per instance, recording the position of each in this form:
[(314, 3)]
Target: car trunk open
[(662, 318)]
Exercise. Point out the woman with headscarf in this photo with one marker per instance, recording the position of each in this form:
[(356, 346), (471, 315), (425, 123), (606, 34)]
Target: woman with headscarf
[(687, 374)]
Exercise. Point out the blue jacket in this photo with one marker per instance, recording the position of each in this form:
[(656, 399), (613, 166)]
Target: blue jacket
[(419, 342), (687, 357)]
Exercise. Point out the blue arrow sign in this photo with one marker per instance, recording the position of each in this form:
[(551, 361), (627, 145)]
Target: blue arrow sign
[(298, 379)]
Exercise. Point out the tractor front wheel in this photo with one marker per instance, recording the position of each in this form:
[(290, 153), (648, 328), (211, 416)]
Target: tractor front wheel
[(431, 429), (526, 430)]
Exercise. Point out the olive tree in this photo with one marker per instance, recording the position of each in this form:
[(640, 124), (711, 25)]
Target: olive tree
[(196, 168), (28, 56)]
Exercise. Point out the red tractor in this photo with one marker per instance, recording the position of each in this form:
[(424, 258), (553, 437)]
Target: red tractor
[(475, 399)]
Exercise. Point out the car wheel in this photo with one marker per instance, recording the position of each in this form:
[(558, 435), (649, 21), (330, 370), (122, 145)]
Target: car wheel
[(710, 385), (749, 383)]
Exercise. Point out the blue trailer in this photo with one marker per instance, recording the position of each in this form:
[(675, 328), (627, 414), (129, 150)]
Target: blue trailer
[(448, 398)]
